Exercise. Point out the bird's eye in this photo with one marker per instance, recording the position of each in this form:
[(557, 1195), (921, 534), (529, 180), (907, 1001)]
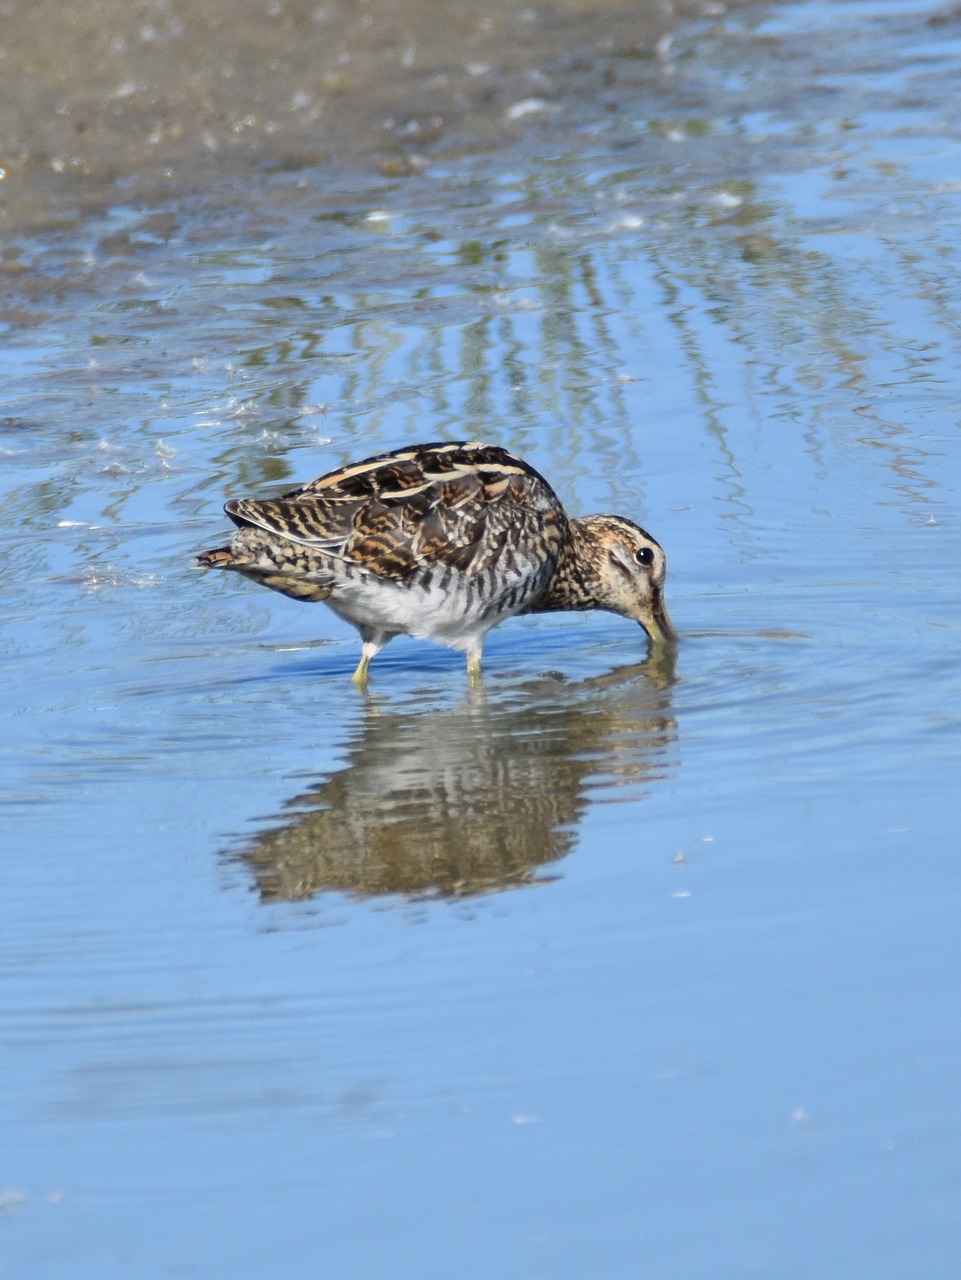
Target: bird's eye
[(644, 555)]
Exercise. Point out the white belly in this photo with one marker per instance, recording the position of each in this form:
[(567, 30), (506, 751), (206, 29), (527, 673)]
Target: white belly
[(452, 617)]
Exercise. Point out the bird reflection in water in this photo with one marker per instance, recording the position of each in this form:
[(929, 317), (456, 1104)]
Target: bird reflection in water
[(471, 799)]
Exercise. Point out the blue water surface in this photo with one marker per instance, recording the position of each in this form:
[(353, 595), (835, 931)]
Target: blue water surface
[(614, 967)]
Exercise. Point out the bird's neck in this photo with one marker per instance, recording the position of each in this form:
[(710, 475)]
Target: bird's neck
[(573, 585)]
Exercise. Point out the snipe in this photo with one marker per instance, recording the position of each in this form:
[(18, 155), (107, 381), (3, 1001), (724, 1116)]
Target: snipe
[(443, 541)]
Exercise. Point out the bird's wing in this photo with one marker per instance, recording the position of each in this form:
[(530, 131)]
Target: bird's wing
[(461, 506)]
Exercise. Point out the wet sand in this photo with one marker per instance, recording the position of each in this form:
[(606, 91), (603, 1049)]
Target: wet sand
[(105, 98)]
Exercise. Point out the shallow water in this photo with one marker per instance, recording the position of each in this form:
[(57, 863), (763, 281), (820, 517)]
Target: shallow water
[(614, 966)]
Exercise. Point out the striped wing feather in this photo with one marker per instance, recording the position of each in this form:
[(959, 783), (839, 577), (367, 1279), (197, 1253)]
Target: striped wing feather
[(455, 505)]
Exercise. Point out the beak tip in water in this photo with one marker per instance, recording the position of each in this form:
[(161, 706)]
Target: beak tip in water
[(659, 628)]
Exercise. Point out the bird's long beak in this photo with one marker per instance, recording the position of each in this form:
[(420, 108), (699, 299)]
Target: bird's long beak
[(656, 622)]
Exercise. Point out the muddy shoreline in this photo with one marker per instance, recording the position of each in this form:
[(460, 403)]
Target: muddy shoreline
[(109, 100)]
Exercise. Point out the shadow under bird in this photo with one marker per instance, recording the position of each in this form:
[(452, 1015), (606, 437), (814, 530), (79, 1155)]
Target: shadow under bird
[(443, 542)]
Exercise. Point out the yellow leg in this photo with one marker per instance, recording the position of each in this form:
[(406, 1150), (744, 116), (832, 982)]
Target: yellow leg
[(474, 667), (366, 653)]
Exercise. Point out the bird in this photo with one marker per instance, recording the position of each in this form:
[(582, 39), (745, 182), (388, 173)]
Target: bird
[(443, 541)]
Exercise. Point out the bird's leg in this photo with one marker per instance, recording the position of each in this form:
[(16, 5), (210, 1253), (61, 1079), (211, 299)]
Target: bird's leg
[(474, 667), (367, 651)]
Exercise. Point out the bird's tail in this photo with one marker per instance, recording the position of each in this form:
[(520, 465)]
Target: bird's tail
[(277, 578), (219, 558)]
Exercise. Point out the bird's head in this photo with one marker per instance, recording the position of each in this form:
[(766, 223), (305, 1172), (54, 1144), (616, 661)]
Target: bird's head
[(627, 571)]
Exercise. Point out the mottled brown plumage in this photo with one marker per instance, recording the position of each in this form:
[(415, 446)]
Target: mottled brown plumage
[(442, 541)]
